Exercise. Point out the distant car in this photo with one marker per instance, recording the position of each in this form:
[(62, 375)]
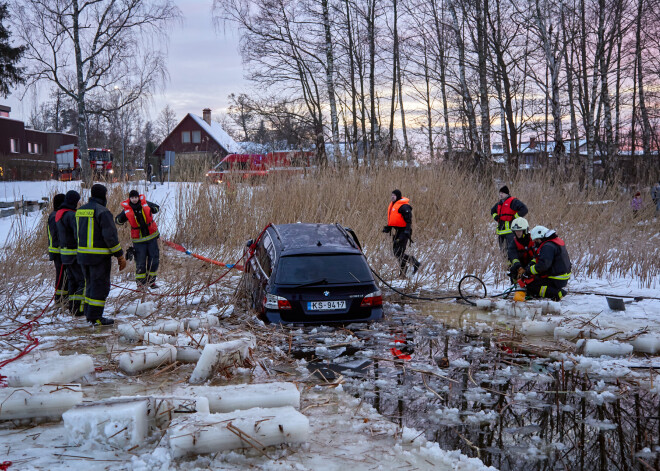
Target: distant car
[(311, 274)]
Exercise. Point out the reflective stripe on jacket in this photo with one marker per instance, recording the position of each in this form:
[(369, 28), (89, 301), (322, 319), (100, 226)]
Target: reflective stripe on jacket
[(152, 228), (552, 260), (394, 218), (505, 215), (97, 234), (53, 241)]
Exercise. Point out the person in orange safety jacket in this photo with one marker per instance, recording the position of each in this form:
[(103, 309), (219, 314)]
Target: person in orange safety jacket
[(399, 217), (138, 212)]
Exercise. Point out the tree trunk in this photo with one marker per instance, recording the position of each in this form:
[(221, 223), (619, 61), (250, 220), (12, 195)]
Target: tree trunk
[(329, 71), (443, 82), (404, 130), (465, 92), (351, 56), (86, 169), (372, 76), (646, 124), (395, 53), (482, 54)]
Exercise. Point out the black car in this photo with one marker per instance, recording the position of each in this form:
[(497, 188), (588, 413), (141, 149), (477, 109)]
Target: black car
[(311, 273)]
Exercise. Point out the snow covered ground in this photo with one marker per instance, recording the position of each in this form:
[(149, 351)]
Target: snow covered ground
[(358, 435)]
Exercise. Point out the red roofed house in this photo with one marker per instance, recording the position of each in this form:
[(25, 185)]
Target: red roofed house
[(198, 144)]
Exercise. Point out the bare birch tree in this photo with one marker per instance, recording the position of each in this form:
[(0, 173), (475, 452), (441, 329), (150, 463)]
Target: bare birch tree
[(89, 48)]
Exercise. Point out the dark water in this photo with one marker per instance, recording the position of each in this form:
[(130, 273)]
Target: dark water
[(513, 410)]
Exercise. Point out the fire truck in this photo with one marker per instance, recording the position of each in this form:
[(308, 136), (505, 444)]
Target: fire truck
[(68, 163), (255, 166)]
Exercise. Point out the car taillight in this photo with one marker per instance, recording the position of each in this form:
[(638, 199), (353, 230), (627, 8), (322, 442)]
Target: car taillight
[(276, 302), (372, 299)]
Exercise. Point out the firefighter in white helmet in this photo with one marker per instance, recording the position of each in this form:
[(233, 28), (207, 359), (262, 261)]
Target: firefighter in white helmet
[(548, 273), (521, 250)]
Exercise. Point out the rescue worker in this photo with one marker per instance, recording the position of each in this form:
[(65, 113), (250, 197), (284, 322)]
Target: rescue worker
[(144, 232), (98, 242), (504, 212), (65, 220), (522, 251), (399, 217), (548, 273), (54, 253)]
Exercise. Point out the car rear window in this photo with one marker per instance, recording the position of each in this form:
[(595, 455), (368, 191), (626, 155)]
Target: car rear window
[(339, 268)]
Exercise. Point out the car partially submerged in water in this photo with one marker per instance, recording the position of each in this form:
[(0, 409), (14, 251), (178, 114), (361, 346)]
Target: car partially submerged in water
[(311, 274)]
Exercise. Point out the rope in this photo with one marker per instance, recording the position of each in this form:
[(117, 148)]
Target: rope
[(181, 248), (26, 330)]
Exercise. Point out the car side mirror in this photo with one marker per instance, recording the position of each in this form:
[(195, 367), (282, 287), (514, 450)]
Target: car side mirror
[(249, 243)]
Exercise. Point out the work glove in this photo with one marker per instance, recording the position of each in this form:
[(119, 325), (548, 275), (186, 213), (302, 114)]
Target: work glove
[(121, 260), (513, 271), (497, 218), (130, 253), (387, 229)]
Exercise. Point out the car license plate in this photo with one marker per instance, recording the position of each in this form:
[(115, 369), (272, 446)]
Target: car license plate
[(326, 305)]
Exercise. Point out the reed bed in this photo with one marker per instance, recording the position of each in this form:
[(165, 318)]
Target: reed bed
[(453, 233)]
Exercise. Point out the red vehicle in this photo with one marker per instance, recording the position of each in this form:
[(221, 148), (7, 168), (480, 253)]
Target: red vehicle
[(68, 162), (251, 166)]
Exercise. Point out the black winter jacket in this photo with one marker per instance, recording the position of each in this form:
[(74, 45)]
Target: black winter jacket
[(95, 224), (552, 260), (53, 242), (66, 232), (516, 205)]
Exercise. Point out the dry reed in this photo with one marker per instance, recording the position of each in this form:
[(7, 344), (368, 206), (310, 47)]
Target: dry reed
[(454, 233)]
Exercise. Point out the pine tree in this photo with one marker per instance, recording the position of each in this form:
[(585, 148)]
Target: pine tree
[(10, 74)]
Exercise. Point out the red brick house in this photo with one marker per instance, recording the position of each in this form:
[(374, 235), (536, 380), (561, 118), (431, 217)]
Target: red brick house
[(199, 140), (28, 154)]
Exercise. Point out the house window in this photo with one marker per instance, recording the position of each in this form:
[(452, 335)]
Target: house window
[(30, 148), (14, 148), (37, 148), (196, 137), (185, 137)]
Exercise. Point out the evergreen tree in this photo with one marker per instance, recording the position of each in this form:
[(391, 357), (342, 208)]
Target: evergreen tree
[(10, 74)]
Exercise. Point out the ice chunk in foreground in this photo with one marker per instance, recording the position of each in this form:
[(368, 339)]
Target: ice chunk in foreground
[(246, 396), (596, 348), (538, 328), (36, 370), (221, 355), (188, 354), (38, 402), (154, 338), (203, 321), (647, 343), (485, 304), (253, 427), (145, 358), (141, 309), (115, 423)]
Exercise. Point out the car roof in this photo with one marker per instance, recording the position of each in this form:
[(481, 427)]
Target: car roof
[(306, 238)]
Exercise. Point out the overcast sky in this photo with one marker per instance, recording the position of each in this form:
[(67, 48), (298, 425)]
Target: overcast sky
[(204, 67)]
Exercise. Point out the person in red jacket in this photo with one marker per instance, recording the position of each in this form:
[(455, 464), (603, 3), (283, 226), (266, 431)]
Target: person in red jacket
[(522, 251), (144, 233), (504, 212), (548, 273), (399, 217)]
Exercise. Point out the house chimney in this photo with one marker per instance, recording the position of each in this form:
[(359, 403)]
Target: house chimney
[(532, 143), (206, 115)]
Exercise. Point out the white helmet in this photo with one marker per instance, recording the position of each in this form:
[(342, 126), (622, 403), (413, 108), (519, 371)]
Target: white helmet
[(520, 224), (539, 232)]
